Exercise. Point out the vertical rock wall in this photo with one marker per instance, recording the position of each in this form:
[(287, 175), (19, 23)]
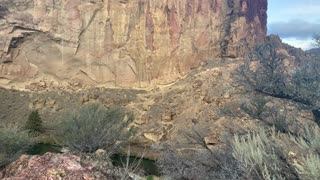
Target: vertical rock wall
[(122, 42)]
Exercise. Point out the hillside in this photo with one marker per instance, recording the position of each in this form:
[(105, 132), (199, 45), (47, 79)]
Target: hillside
[(314, 52)]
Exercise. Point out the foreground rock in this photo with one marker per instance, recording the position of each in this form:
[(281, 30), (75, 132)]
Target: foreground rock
[(50, 167), (120, 42)]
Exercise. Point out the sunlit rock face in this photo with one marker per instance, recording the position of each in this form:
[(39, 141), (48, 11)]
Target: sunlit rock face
[(126, 43)]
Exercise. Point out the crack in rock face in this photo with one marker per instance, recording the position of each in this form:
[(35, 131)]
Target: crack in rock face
[(123, 43)]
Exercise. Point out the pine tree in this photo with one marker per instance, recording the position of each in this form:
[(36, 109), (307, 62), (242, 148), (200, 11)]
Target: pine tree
[(34, 123)]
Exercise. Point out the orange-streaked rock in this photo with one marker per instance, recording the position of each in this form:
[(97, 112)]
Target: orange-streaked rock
[(123, 43)]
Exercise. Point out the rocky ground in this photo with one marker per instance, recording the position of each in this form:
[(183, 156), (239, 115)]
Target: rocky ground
[(207, 99)]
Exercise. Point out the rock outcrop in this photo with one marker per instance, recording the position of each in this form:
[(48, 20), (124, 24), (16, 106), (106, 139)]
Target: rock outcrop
[(50, 166), (123, 43)]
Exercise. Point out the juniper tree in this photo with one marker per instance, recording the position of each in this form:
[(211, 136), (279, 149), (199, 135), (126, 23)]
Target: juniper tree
[(34, 123)]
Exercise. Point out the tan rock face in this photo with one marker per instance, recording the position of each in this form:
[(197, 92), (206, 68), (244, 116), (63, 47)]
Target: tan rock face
[(122, 42)]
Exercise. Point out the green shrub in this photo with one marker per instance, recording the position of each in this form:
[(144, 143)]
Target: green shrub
[(13, 143), (93, 127), (280, 124), (149, 178), (257, 153), (34, 123), (309, 139), (279, 120), (256, 107), (310, 168)]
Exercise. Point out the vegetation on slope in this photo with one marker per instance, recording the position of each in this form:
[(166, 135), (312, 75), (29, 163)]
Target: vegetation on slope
[(267, 152), (93, 127), (13, 142)]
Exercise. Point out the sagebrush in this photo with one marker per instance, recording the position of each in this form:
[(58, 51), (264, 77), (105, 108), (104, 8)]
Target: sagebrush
[(93, 127), (13, 142)]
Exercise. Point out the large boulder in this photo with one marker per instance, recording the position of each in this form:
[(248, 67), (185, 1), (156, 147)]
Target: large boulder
[(49, 166)]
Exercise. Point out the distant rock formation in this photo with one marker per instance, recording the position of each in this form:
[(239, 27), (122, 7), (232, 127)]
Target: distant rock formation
[(314, 52), (126, 43)]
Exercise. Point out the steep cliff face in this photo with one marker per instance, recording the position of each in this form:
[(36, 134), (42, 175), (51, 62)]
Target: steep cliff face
[(122, 42)]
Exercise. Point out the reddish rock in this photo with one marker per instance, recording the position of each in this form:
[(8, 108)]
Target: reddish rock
[(49, 167)]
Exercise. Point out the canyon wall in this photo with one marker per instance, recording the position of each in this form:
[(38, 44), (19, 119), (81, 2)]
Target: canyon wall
[(125, 43)]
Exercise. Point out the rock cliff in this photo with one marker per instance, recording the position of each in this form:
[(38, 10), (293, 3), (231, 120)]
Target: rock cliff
[(126, 43)]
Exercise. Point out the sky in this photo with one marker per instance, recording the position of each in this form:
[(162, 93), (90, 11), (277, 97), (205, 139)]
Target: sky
[(295, 21)]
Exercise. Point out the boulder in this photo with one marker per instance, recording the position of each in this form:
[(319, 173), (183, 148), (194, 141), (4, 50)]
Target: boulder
[(49, 166)]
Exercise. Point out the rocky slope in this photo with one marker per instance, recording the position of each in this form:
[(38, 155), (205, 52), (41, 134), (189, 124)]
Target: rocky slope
[(208, 99), (314, 52), (127, 43)]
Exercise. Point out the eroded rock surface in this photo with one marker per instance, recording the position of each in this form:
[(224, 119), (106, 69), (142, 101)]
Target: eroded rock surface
[(123, 43)]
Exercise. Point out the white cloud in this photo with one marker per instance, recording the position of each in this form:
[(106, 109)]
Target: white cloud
[(298, 43), (295, 21), (297, 28)]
